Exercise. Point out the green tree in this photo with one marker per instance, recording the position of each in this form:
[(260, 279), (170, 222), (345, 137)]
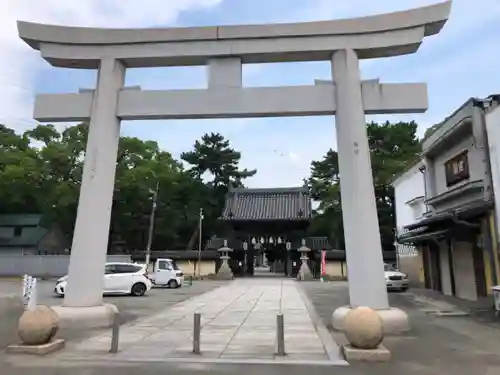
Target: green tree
[(430, 131), (393, 148), (41, 172), (324, 183), (19, 173), (213, 155)]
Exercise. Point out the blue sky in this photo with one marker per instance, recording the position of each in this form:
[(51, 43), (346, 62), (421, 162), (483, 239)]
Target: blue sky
[(458, 63)]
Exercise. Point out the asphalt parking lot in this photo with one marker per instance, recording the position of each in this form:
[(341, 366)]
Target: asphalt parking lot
[(435, 345), (131, 308)]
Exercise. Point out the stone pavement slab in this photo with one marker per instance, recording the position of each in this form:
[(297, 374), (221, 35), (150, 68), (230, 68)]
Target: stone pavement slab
[(238, 323)]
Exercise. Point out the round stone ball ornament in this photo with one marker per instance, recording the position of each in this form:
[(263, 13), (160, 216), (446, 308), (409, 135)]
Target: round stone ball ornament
[(363, 328), (38, 326)]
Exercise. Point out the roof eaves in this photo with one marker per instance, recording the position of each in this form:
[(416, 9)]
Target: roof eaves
[(449, 124), (10, 220)]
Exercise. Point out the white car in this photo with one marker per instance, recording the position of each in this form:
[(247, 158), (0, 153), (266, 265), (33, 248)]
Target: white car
[(119, 278), (395, 279)]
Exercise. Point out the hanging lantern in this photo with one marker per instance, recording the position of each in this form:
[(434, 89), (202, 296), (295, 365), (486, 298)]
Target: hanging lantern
[(254, 241), (279, 241), (271, 240), (262, 240)]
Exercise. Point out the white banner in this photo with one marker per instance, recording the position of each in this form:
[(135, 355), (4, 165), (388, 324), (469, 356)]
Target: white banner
[(29, 292)]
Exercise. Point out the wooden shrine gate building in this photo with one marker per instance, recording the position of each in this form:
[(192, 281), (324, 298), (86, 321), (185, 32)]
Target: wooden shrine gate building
[(265, 227)]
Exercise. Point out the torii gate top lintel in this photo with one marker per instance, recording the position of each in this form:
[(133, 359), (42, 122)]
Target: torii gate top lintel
[(382, 35)]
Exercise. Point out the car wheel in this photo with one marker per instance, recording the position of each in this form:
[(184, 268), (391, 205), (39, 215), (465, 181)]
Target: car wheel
[(173, 284), (404, 289), (138, 289)]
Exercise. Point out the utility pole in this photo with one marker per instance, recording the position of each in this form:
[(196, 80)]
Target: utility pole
[(199, 241), (151, 225)]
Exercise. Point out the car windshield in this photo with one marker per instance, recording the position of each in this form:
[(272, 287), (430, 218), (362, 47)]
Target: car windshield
[(388, 267), (167, 265)]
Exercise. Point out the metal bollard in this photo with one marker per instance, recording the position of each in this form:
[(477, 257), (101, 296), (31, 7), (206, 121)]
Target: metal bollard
[(280, 334), (196, 333), (115, 333)]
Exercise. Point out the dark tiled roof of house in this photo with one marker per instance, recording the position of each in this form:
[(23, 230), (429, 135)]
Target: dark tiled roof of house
[(267, 204), (318, 243), (20, 220), (29, 237), (32, 230)]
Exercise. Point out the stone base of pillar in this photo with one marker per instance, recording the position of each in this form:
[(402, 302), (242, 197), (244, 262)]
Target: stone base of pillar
[(86, 317), (304, 273), (225, 272), (394, 320)]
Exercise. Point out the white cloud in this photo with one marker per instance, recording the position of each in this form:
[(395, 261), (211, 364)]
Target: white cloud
[(294, 157), (19, 65)]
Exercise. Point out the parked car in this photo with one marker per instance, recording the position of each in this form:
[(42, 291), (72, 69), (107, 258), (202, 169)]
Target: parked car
[(394, 279), (166, 273), (119, 278)]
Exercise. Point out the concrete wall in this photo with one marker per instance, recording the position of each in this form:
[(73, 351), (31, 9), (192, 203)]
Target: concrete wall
[(407, 187), (18, 251), (412, 266), (409, 209), (207, 267), (42, 265), (492, 120), (476, 165), (336, 268)]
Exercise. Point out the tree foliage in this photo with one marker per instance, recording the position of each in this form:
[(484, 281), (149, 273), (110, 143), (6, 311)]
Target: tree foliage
[(393, 148), (41, 172), (430, 131), (214, 155), (213, 158)]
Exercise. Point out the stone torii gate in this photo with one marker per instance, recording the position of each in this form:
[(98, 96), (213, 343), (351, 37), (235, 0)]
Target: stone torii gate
[(223, 49)]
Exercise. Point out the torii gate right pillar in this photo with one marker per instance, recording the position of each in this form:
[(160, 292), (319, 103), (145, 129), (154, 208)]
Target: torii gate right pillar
[(359, 211)]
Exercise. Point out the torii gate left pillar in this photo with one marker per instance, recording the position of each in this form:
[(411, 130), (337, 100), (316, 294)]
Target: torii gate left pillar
[(223, 49)]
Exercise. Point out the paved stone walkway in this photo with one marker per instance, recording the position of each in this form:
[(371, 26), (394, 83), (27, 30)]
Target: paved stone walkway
[(238, 323)]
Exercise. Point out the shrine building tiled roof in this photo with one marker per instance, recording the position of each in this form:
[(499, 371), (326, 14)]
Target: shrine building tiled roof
[(268, 204)]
